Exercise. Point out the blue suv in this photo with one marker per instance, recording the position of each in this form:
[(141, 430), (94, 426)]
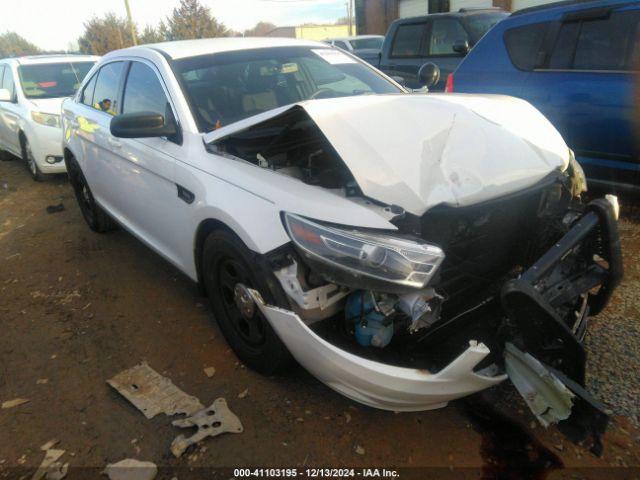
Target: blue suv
[(574, 61)]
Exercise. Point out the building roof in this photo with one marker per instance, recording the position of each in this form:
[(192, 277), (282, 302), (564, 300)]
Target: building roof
[(192, 48)]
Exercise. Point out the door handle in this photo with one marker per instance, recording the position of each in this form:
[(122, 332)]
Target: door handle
[(114, 143), (185, 195)]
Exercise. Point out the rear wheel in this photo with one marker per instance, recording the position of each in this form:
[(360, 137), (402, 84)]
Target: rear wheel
[(227, 265), (30, 161), (97, 219)]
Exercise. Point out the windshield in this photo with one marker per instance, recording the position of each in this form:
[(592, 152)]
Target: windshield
[(480, 23), (226, 87), (52, 80), (374, 43)]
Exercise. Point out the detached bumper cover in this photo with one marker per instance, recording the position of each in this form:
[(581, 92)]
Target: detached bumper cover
[(372, 383)]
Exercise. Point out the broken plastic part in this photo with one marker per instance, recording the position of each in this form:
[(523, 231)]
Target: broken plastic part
[(210, 422), (547, 397)]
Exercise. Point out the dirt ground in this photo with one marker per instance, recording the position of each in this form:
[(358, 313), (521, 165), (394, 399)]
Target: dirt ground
[(77, 307)]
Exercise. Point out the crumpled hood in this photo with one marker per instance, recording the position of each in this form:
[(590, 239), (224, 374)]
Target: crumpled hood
[(417, 151), (48, 105)]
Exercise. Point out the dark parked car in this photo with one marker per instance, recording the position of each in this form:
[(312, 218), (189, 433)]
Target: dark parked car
[(441, 38), (367, 47), (575, 62)]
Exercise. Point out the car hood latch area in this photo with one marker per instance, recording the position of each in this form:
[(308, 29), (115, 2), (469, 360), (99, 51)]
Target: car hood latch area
[(555, 399)]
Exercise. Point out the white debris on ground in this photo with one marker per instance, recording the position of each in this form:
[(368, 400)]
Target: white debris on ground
[(210, 371), (131, 469), (210, 422), (51, 468), (152, 393), (16, 402)]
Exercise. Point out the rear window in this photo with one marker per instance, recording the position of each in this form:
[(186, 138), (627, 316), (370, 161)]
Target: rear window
[(524, 45), (408, 40), (52, 80), (480, 23)]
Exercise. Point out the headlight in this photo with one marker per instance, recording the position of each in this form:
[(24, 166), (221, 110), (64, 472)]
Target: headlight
[(48, 119), (381, 257)]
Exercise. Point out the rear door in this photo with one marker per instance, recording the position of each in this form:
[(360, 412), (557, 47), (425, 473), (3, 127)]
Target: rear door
[(584, 87)]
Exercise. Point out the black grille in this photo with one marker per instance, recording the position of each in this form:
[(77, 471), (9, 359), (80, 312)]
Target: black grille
[(486, 241)]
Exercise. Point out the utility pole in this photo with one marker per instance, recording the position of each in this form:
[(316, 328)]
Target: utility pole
[(350, 17), (133, 30)]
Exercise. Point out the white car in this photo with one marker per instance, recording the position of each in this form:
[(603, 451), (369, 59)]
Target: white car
[(407, 249), (31, 92)]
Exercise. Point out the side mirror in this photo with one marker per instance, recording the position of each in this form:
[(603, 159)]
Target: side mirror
[(142, 125), (461, 46), (429, 74), (5, 95)]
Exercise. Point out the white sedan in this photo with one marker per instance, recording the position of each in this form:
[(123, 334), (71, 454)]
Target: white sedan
[(407, 249), (32, 89)]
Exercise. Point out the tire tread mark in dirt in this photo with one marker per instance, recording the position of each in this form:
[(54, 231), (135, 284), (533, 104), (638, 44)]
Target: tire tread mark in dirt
[(509, 451)]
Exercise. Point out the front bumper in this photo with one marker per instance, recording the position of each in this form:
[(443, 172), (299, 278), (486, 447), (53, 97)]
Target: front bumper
[(376, 384), (46, 141), (531, 307)]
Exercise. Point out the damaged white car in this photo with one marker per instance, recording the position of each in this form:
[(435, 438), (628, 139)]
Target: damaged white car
[(406, 249)]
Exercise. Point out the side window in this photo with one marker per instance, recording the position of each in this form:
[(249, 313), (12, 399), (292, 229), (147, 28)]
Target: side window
[(565, 46), (524, 45), (445, 32), (106, 90), (7, 81), (143, 91), (604, 44), (1, 74), (87, 93), (341, 45), (408, 40)]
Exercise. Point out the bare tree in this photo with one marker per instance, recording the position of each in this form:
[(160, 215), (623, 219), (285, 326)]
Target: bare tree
[(13, 45), (260, 29)]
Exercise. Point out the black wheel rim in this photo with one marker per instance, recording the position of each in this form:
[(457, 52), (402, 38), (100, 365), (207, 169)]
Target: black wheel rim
[(251, 331)]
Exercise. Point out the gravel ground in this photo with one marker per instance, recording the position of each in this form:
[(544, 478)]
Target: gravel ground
[(613, 339)]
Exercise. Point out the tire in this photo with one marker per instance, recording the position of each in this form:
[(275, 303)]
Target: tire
[(97, 219), (226, 262), (30, 161)]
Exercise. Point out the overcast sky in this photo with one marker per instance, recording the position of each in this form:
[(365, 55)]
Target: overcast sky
[(54, 24)]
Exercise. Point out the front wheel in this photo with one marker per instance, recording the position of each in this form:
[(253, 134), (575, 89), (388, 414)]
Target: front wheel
[(227, 264), (30, 161)]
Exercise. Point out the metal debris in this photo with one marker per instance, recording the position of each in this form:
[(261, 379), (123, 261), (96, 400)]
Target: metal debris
[(547, 397), (210, 422), (51, 468), (16, 402), (151, 393), (55, 208), (131, 469)]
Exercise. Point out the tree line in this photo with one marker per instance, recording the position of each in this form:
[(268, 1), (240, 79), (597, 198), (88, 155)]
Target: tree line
[(189, 20)]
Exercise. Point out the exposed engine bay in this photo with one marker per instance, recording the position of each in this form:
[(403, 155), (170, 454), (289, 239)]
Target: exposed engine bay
[(520, 273)]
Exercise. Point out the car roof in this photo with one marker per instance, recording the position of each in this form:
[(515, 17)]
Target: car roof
[(53, 58), (570, 5), (463, 12), (193, 48), (355, 37)]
